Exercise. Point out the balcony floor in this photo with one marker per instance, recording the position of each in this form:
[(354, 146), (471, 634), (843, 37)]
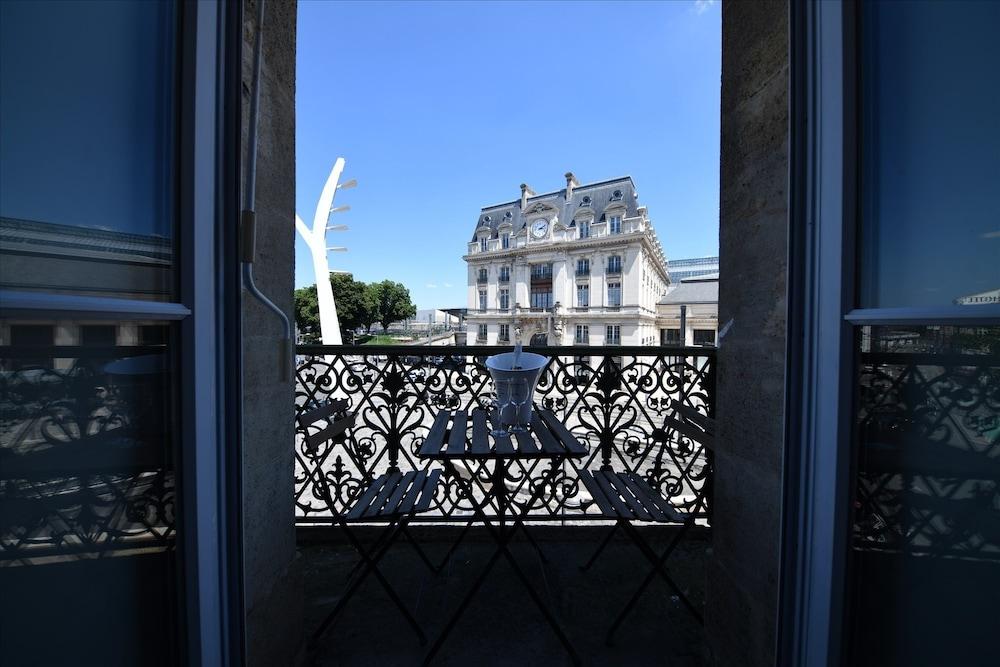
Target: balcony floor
[(502, 626)]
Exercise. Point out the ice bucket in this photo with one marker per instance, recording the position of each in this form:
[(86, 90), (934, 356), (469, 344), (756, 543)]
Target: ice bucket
[(515, 386)]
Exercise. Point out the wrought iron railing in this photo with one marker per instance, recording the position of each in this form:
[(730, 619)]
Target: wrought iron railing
[(613, 399), (85, 463), (928, 466)]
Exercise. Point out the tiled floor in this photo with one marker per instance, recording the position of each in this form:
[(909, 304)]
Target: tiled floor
[(502, 626)]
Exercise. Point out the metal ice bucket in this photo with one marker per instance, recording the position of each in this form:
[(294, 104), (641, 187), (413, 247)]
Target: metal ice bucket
[(515, 387)]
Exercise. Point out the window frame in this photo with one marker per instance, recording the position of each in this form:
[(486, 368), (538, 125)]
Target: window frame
[(207, 309), (823, 261), (614, 224), (617, 287)]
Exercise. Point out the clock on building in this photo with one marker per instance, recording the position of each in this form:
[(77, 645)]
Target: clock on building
[(539, 227)]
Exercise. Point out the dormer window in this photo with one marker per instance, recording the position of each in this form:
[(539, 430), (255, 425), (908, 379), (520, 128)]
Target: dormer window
[(616, 195), (508, 215), (584, 229), (586, 201), (505, 241), (615, 224), (482, 244), (487, 218)]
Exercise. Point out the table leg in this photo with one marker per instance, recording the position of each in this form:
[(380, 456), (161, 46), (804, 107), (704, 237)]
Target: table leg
[(502, 537)]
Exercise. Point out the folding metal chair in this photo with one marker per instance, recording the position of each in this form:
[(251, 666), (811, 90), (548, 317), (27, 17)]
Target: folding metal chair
[(393, 497), (626, 497)]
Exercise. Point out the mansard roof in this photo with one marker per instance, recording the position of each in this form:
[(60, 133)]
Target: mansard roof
[(600, 200)]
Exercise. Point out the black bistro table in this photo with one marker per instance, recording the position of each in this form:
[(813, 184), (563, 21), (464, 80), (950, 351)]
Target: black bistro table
[(459, 436)]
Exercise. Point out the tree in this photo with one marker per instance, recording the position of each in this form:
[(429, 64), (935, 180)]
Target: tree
[(354, 302), (369, 314), (393, 303), (307, 313)]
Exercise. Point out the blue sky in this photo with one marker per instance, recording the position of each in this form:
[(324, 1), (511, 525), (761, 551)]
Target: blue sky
[(443, 108)]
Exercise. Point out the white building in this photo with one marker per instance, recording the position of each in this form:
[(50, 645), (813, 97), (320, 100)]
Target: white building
[(581, 265), (692, 306)]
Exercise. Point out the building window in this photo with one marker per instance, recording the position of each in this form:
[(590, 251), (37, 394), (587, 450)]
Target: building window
[(541, 298), (615, 224), (505, 241), (584, 229), (481, 334), (613, 334), (541, 272), (616, 195), (481, 276), (615, 264), (504, 335), (504, 299), (582, 334), (482, 244), (583, 267), (482, 299), (704, 337), (614, 294), (670, 337), (583, 296), (505, 274)]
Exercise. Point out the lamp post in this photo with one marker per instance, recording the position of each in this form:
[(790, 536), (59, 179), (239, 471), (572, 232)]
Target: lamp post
[(315, 239)]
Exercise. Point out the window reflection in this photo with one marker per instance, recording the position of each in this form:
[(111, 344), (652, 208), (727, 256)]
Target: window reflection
[(87, 133), (87, 494), (930, 154), (926, 515)]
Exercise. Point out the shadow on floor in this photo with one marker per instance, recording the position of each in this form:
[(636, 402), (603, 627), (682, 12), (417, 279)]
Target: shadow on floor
[(502, 626)]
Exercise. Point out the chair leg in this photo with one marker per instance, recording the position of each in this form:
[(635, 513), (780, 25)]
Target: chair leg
[(370, 567), (454, 546), (658, 569), (420, 552), (607, 538)]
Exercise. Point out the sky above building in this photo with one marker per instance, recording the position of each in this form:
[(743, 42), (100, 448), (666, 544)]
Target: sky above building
[(442, 108)]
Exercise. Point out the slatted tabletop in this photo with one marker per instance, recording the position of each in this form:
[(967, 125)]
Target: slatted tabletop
[(459, 435)]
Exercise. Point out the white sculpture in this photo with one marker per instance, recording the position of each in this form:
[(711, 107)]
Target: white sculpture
[(315, 238)]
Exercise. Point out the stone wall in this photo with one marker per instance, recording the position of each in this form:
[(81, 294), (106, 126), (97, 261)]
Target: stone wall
[(753, 230), (273, 585)]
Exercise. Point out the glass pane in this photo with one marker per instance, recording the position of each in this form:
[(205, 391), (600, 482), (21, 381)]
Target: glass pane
[(88, 566), (925, 569), (87, 125), (931, 154)]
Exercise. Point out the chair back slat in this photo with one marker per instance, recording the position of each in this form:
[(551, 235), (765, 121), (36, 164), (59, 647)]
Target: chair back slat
[(692, 432), (700, 420), (335, 427)]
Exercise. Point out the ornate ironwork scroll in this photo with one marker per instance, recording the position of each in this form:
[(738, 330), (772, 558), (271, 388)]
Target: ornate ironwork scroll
[(612, 398), (84, 464), (929, 454)]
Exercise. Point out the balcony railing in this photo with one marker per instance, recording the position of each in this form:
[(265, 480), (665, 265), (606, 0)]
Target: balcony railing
[(613, 269), (481, 279), (580, 273), (504, 278), (617, 412)]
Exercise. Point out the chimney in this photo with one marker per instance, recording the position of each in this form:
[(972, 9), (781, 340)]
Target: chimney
[(526, 192), (571, 183)]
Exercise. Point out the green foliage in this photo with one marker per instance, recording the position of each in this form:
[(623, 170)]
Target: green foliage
[(307, 313), (355, 304), (359, 304), (392, 300)]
